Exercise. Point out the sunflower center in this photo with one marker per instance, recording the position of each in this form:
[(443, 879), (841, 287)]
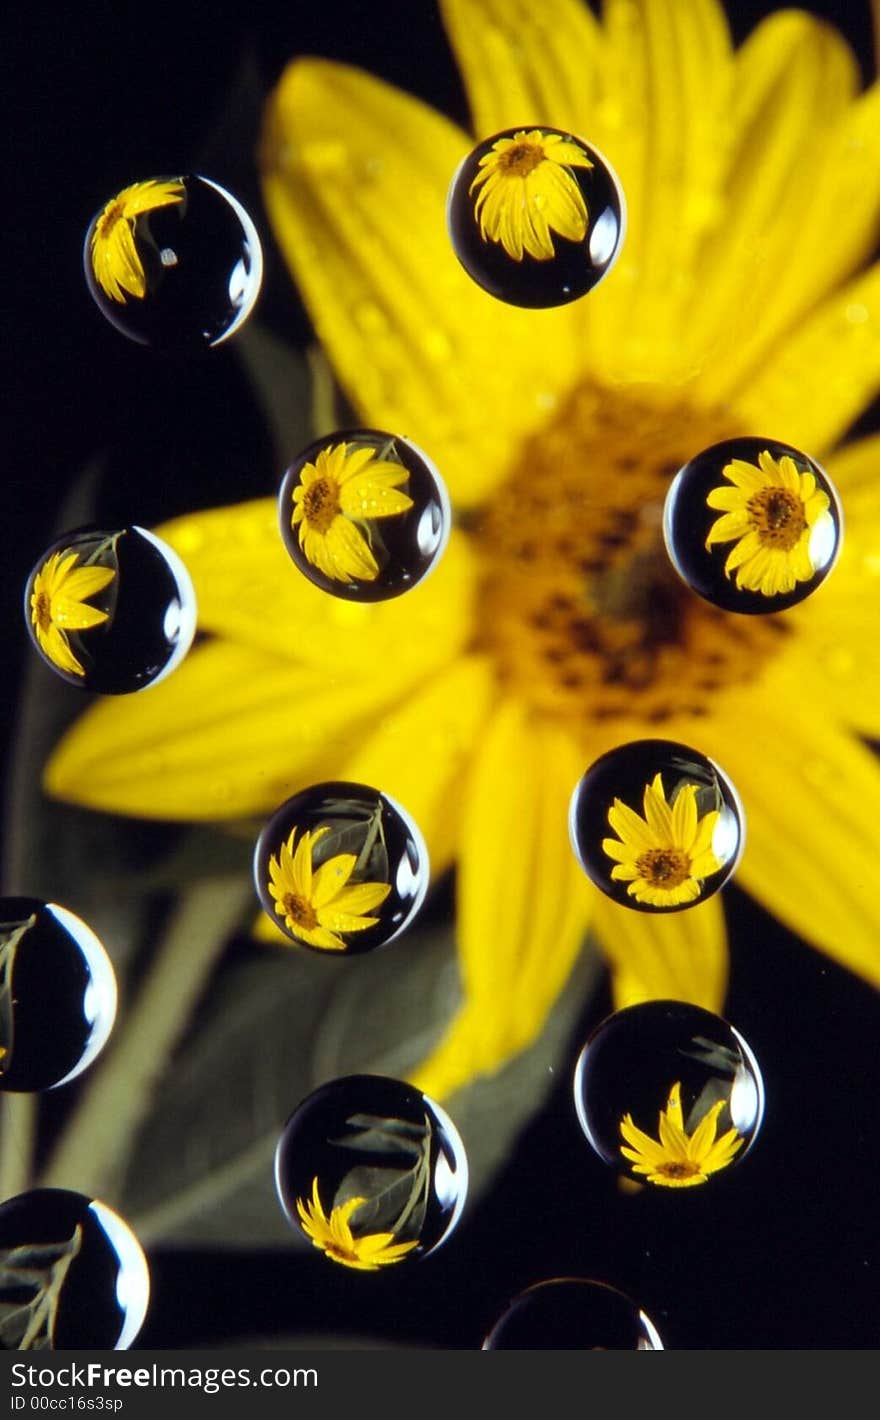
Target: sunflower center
[(321, 504), (582, 608), (664, 867), (299, 911), (777, 515), (42, 610), (678, 1168), (521, 159)]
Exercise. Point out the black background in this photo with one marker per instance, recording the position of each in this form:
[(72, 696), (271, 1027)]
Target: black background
[(781, 1254)]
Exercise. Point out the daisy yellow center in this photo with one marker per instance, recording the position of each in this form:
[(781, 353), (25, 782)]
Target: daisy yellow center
[(521, 159), (664, 867), (340, 1253), (109, 217), (778, 517), (321, 504), (299, 911), (584, 612)]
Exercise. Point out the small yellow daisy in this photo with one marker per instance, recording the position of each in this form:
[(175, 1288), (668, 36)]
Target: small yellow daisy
[(58, 605), (116, 262), (333, 1235), (663, 857), (525, 193), (346, 484), (677, 1159), (769, 513), (319, 905)]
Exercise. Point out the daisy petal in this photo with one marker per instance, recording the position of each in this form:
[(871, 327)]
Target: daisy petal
[(249, 590), (233, 732), (443, 719), (813, 797), (413, 340), (680, 957), (523, 902)]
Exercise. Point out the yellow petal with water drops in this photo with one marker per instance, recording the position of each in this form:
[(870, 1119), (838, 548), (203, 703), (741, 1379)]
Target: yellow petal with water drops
[(831, 659), (794, 80), (523, 904), (821, 377), (812, 800), (524, 63), (249, 589), (232, 732), (668, 76), (419, 752), (355, 176), (680, 956)]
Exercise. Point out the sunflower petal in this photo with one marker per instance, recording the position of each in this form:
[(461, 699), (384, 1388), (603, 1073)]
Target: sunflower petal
[(523, 902), (419, 752), (232, 732), (813, 804), (794, 80), (681, 956), (411, 337)]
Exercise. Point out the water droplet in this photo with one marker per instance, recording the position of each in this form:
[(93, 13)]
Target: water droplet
[(752, 525), (572, 1314), (656, 825), (174, 263), (57, 995), (113, 612), (668, 1094), (341, 868), (372, 1172), (536, 216), (74, 1276), (364, 514)]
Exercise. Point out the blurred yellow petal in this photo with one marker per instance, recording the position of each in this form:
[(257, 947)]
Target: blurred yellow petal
[(419, 752), (812, 798), (250, 590), (355, 177), (677, 956), (794, 78), (824, 374), (523, 903), (232, 732)]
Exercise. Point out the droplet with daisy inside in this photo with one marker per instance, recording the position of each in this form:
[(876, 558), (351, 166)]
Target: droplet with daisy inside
[(57, 995), (110, 610), (371, 1172), (536, 216), (657, 825), (753, 525), (174, 263), (341, 868), (572, 1314), (364, 514), (73, 1274), (668, 1094)]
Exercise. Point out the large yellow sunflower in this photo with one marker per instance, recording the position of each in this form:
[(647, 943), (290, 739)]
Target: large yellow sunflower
[(554, 627)]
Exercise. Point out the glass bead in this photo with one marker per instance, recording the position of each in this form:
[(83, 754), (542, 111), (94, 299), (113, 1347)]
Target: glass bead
[(371, 1172), (536, 216), (57, 995), (656, 825), (752, 525), (174, 263), (112, 612), (668, 1094), (73, 1276), (572, 1314), (341, 868), (364, 514)]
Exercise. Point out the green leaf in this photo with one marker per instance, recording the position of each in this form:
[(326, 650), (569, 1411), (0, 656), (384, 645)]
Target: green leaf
[(27, 1323)]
